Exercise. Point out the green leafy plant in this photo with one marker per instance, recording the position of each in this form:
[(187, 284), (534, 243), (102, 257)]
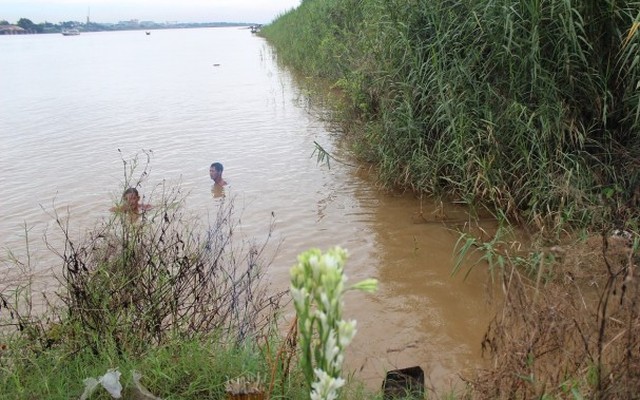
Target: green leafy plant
[(317, 285)]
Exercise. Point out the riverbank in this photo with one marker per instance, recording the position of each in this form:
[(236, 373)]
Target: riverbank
[(528, 111), (478, 103)]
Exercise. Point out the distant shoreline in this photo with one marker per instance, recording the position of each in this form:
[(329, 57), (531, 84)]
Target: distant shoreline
[(25, 26)]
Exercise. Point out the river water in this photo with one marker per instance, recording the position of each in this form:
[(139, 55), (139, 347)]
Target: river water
[(72, 108)]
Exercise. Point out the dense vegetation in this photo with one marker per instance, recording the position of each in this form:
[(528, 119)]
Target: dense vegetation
[(532, 109), (529, 107)]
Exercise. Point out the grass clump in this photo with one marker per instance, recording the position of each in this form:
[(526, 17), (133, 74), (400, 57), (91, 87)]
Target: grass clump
[(574, 332), (138, 283), (193, 368)]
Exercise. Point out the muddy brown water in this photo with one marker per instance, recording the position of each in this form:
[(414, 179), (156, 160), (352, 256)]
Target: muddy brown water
[(202, 95)]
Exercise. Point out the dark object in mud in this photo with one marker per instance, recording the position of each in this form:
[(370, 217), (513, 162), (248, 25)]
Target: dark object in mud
[(404, 382)]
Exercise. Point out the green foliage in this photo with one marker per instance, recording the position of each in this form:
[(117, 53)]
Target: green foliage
[(134, 286), (25, 23), (140, 279), (186, 369), (317, 286), (530, 107)]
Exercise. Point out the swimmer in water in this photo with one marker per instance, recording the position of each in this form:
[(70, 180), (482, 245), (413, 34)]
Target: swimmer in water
[(131, 203)]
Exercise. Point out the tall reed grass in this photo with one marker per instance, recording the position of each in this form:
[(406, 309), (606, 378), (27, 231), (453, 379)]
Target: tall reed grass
[(531, 107)]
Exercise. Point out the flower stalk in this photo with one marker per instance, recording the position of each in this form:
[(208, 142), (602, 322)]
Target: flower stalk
[(318, 283)]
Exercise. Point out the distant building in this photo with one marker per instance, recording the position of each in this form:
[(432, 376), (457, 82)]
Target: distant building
[(12, 30)]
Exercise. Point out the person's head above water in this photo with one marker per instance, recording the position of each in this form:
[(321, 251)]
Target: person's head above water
[(131, 203), (215, 172), (216, 166), (130, 198)]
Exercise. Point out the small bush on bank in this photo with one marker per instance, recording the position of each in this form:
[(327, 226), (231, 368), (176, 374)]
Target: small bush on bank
[(140, 282), (569, 325)]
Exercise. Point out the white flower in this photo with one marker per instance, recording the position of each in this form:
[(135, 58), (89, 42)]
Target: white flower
[(322, 317), (337, 364), (331, 349), (314, 263), (325, 387), (347, 331), (318, 282), (331, 262), (299, 296), (324, 299)]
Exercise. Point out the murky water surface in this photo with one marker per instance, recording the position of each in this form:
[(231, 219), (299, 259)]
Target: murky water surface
[(71, 108)]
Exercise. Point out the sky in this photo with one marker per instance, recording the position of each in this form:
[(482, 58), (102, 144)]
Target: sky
[(38, 11)]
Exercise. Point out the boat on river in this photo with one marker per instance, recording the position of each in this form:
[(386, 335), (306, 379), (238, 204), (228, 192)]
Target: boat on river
[(70, 32)]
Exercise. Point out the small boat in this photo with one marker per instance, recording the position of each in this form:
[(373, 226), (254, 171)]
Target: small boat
[(70, 32), (148, 33)]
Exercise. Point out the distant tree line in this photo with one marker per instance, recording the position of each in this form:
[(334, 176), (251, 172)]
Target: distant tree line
[(48, 27)]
